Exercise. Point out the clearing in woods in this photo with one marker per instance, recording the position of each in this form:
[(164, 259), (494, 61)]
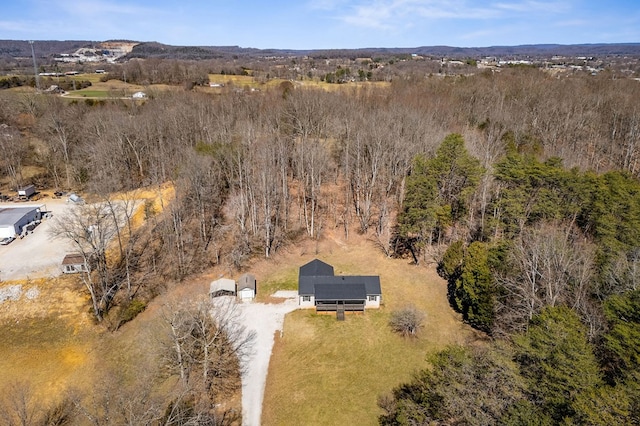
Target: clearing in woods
[(327, 372)]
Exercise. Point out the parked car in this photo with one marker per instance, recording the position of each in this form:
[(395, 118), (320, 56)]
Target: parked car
[(6, 241)]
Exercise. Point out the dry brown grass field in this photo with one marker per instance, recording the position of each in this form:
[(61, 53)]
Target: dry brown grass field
[(48, 341)]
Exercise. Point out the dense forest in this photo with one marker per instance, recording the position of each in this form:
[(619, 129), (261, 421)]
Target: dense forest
[(520, 186)]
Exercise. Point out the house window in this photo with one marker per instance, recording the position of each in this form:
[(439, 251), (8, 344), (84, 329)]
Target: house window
[(306, 298), (373, 298)]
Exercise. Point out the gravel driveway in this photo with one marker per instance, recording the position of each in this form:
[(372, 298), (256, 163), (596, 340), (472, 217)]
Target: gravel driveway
[(265, 320)]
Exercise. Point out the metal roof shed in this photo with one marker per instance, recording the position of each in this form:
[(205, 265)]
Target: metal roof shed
[(222, 287)]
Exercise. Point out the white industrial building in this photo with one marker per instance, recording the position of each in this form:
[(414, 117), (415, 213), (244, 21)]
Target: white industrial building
[(14, 219)]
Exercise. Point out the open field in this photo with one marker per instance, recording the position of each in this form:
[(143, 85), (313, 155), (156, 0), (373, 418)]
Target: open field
[(104, 89), (247, 81), (119, 89), (88, 93), (326, 372)]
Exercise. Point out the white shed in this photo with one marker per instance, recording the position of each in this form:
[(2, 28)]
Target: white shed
[(222, 287), (247, 287)]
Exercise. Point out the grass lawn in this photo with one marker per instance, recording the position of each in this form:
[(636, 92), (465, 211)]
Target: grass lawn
[(325, 372), (89, 93)]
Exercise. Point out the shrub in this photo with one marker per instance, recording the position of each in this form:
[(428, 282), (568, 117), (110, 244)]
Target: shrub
[(407, 321)]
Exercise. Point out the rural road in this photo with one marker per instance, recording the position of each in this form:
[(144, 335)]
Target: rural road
[(265, 320)]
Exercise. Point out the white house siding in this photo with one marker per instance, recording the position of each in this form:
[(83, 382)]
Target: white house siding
[(246, 294), (73, 269), (310, 304), (375, 304)]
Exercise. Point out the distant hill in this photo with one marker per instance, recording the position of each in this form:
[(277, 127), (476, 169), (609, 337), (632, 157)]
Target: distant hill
[(47, 48), (42, 48), (50, 48), (158, 50)]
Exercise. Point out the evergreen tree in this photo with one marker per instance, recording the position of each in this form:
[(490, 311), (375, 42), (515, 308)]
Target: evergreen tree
[(464, 386), (557, 360), (474, 290), (622, 341), (438, 193)]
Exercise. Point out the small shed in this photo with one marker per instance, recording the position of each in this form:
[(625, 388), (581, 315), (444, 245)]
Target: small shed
[(247, 287), (74, 263), (75, 199), (222, 287)]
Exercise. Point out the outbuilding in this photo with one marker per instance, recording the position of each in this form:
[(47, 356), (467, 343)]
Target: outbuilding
[(74, 263), (222, 287), (13, 220), (247, 287), (75, 199)]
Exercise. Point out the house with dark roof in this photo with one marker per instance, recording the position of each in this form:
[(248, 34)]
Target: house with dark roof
[(318, 287)]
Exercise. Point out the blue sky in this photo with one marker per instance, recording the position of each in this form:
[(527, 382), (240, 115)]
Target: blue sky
[(324, 24)]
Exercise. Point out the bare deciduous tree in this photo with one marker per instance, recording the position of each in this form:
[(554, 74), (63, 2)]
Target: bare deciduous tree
[(20, 406), (91, 228), (207, 347), (407, 321), (12, 152), (551, 265)]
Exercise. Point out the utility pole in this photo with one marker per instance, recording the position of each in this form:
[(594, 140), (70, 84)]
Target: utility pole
[(35, 66)]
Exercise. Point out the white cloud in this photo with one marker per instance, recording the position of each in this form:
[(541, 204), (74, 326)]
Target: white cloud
[(387, 14), (551, 7)]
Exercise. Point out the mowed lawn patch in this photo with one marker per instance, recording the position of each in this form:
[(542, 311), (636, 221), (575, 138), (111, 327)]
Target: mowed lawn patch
[(90, 93), (326, 372)]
